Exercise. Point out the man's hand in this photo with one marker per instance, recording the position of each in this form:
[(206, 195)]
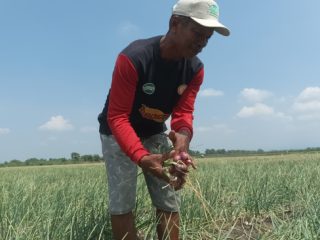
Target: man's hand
[(153, 163), (181, 141)]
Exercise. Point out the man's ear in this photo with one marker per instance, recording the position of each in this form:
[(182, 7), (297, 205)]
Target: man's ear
[(173, 23)]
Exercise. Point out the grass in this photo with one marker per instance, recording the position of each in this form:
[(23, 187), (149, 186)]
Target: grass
[(260, 197), (53, 203)]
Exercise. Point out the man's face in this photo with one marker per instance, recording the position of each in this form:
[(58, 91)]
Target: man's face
[(192, 38)]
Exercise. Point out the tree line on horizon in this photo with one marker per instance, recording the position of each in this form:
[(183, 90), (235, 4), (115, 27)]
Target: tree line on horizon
[(76, 158)]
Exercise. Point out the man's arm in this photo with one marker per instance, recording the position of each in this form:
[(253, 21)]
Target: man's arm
[(122, 93), (182, 116)]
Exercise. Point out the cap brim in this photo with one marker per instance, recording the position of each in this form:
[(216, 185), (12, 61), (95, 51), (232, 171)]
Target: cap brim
[(218, 27)]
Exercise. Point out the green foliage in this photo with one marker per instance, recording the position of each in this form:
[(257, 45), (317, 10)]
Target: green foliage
[(224, 152), (55, 202), (75, 159), (247, 197), (75, 156)]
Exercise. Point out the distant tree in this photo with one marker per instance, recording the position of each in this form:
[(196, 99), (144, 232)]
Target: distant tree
[(221, 151), (15, 163), (63, 160), (97, 158), (210, 151), (86, 158), (194, 152), (91, 158), (75, 156)]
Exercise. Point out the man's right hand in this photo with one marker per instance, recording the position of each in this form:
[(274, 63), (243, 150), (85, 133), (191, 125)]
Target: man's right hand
[(153, 163)]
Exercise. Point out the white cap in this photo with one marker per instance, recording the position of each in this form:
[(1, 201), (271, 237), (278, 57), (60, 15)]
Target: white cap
[(204, 12)]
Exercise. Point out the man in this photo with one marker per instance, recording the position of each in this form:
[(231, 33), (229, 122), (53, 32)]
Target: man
[(153, 79)]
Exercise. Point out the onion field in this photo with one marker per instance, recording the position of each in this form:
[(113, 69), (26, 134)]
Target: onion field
[(248, 197)]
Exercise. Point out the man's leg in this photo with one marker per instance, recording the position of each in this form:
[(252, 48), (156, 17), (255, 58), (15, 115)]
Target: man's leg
[(123, 227), (164, 197), (168, 225), (122, 181)]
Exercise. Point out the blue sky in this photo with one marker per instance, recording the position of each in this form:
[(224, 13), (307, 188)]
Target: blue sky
[(261, 88)]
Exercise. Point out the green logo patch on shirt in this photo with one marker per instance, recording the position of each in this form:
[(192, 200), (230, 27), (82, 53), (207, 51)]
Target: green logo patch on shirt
[(148, 88)]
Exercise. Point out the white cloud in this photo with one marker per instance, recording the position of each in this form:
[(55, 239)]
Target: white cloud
[(258, 109), (128, 29), (4, 131), (310, 94), (255, 95), (262, 110), (307, 104), (210, 92), (57, 123), (308, 100)]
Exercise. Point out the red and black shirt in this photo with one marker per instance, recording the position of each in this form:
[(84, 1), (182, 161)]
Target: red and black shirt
[(145, 91)]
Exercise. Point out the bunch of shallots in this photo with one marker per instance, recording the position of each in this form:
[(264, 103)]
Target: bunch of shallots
[(177, 168)]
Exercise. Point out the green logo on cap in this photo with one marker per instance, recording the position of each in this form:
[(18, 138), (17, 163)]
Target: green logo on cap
[(214, 11)]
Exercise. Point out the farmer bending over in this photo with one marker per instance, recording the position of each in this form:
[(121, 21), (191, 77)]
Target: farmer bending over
[(154, 79)]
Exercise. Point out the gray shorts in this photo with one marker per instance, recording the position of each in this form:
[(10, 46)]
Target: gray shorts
[(122, 177)]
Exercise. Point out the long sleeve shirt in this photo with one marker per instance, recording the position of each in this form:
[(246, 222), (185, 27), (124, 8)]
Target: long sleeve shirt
[(145, 91)]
